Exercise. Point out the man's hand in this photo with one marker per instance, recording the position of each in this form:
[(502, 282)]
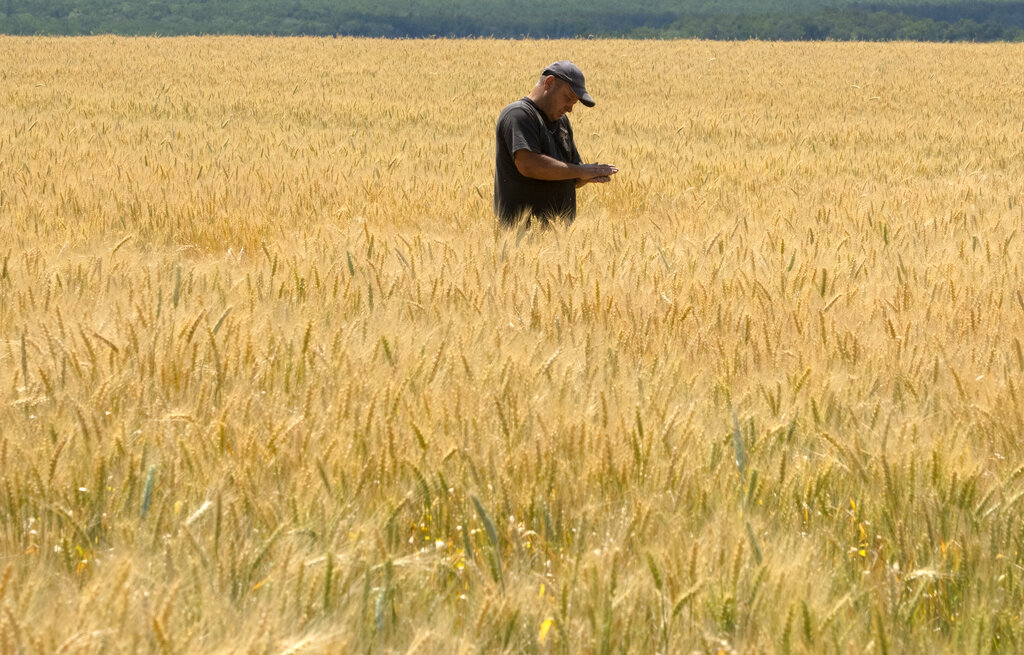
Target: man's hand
[(597, 172), (598, 180), (601, 178)]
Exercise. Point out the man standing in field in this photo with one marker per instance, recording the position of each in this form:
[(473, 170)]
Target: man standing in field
[(537, 166)]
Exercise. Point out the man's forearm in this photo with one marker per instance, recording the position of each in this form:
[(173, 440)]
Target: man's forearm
[(543, 167)]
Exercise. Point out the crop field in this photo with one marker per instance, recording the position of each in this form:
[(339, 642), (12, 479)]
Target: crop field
[(273, 381)]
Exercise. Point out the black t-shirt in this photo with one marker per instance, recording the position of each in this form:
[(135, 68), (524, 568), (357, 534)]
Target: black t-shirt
[(523, 126)]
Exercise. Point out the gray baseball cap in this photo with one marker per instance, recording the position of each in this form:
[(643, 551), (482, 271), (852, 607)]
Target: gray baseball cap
[(571, 74)]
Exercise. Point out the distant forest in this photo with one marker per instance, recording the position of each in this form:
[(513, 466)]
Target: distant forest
[(708, 19)]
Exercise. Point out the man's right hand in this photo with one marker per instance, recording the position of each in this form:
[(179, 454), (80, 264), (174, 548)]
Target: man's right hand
[(594, 172)]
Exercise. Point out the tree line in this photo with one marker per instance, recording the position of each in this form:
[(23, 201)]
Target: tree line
[(801, 20)]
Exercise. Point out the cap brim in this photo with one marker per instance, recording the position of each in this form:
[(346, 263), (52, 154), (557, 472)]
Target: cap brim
[(580, 92)]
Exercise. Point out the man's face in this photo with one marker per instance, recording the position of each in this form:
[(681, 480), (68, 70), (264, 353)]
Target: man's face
[(562, 99)]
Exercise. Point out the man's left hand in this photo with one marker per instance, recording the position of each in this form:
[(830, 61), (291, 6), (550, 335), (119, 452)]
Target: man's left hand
[(600, 180)]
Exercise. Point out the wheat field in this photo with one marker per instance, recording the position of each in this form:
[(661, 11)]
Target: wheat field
[(273, 381)]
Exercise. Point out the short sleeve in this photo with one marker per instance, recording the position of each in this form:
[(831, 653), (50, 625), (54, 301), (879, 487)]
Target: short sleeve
[(520, 131)]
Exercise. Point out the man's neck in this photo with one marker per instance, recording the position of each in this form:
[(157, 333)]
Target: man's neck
[(538, 100)]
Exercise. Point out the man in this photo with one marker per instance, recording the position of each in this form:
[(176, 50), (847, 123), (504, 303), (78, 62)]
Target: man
[(537, 166)]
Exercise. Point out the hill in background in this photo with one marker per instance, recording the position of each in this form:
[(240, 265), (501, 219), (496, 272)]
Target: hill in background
[(728, 19)]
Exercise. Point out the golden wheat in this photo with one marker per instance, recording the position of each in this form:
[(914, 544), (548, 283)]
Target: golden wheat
[(273, 381)]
